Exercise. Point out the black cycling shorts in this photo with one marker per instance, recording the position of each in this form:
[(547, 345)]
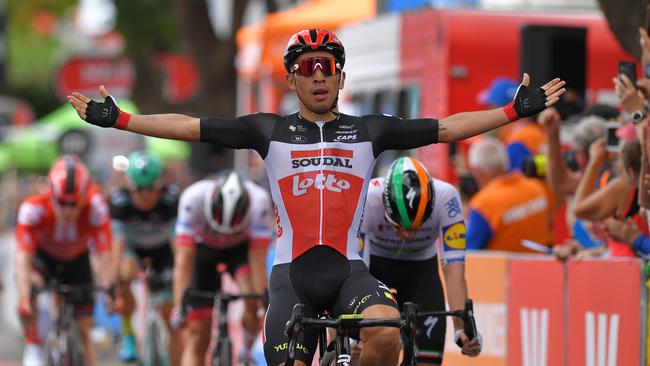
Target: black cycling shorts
[(162, 257), (75, 271), (323, 280), (205, 276), (418, 282)]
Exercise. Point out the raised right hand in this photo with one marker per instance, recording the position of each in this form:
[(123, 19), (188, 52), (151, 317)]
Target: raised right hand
[(102, 114), (550, 120)]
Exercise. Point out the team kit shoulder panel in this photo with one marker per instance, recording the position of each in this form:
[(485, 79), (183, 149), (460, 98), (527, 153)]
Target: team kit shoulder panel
[(446, 223), (252, 131)]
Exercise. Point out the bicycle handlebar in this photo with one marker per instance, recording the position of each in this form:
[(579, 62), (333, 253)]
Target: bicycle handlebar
[(467, 315), (407, 324)]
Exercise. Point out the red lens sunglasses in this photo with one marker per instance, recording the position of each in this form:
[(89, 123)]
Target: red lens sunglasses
[(307, 66)]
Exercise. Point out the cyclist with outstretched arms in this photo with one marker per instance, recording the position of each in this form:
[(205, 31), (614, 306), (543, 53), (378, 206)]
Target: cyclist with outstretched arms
[(319, 162), (225, 221), (143, 214), (55, 233), (405, 212)]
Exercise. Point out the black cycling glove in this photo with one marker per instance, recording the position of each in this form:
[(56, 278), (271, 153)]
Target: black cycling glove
[(106, 114), (527, 102)]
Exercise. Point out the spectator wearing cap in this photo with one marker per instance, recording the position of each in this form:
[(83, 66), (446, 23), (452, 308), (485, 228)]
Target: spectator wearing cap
[(523, 140), (509, 207)]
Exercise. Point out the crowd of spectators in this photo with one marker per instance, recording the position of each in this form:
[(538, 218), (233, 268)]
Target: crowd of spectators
[(554, 184)]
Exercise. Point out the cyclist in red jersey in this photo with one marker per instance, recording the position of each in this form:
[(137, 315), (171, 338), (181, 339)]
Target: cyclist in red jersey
[(319, 163), (54, 233)]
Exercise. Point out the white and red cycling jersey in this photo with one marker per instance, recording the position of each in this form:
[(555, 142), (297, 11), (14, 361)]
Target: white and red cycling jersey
[(192, 226), (446, 225), (38, 228), (318, 171)]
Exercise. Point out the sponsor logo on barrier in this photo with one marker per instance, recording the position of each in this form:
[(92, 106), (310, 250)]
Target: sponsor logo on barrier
[(534, 336), (601, 342)]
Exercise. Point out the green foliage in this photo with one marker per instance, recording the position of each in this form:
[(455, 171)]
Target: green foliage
[(148, 25), (32, 58)]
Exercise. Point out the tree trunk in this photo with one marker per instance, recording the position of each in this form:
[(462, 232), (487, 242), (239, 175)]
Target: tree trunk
[(624, 18), (214, 58)]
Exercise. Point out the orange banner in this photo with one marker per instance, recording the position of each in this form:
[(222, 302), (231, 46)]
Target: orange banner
[(486, 282), (536, 311)]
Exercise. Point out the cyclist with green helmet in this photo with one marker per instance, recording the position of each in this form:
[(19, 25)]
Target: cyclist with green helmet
[(144, 215), (405, 213)]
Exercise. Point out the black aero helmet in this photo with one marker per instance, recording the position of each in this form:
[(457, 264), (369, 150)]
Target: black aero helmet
[(310, 40), (226, 205), (408, 195)]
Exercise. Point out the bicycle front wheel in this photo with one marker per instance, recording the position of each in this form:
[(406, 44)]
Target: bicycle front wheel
[(153, 349), (222, 353), (62, 349), (329, 359)]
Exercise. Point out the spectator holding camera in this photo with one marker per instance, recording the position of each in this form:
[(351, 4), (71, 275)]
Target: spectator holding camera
[(618, 197)]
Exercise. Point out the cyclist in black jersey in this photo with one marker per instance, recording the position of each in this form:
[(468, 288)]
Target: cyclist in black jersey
[(319, 162), (143, 216)]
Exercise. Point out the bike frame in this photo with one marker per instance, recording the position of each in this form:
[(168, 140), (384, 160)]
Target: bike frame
[(66, 324), (153, 321), (220, 311)]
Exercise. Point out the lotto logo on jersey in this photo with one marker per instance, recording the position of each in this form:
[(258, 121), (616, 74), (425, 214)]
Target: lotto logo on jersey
[(321, 181), (454, 236)]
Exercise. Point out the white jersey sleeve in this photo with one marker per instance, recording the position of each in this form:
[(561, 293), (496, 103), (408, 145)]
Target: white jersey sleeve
[(190, 212), (261, 219), (448, 209)]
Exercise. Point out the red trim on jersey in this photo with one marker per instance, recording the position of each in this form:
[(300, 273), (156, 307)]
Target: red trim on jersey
[(326, 152), (185, 240), (259, 243)]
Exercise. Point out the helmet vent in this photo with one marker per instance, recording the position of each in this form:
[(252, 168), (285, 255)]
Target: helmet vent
[(69, 175)]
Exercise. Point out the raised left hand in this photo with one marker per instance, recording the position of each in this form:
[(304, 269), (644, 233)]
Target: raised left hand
[(528, 102)]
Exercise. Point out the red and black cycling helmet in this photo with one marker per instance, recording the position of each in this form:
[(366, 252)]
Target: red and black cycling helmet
[(69, 180), (310, 40)]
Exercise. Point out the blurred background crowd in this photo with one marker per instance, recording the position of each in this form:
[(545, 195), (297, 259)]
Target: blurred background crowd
[(570, 182)]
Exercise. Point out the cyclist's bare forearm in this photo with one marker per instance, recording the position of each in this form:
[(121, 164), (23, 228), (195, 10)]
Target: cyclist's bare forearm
[(169, 126), (183, 260), (106, 260), (257, 259), (467, 124), (23, 273), (456, 289)]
